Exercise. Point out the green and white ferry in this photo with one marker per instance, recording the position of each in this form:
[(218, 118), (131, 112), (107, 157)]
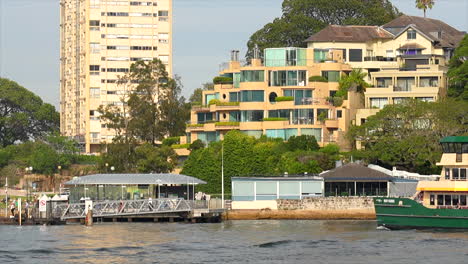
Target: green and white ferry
[(436, 204)]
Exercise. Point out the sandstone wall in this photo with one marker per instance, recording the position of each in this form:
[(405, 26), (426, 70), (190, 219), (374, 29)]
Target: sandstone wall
[(327, 203)]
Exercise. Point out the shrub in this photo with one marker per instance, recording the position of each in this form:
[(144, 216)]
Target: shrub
[(284, 98), (222, 80), (197, 144), (181, 146), (303, 142), (214, 102), (275, 119), (171, 141), (226, 123), (194, 125), (317, 78), (337, 101)]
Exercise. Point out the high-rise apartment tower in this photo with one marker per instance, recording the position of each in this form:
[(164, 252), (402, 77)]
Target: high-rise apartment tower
[(99, 40)]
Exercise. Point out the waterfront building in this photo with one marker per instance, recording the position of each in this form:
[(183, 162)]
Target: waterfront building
[(405, 58), (262, 192), (100, 187), (99, 40), (288, 94)]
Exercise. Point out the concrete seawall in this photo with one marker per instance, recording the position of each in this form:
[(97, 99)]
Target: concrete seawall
[(311, 208)]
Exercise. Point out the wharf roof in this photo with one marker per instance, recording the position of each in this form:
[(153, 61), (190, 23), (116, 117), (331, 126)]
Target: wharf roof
[(435, 30), (355, 172), (350, 34), (134, 179), (278, 178)]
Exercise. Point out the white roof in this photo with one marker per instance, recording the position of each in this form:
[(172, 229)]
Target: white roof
[(134, 179)]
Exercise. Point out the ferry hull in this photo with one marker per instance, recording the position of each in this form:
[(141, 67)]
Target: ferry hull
[(403, 213)]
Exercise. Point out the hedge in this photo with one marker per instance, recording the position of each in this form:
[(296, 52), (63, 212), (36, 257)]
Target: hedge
[(317, 78), (181, 146), (227, 123), (275, 119), (194, 125), (219, 103), (171, 141), (284, 98), (222, 80)]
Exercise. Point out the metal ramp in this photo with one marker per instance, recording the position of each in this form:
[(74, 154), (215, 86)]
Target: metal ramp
[(124, 208)]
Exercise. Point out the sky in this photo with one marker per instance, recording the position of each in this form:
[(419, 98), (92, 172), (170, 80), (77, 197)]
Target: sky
[(204, 32)]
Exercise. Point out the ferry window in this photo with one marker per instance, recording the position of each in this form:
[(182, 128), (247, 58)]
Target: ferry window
[(463, 174), (440, 199), (432, 199), (455, 174), (447, 174), (463, 200), (455, 200), (448, 199)]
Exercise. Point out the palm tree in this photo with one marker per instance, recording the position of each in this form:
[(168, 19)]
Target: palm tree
[(424, 5), (355, 81)]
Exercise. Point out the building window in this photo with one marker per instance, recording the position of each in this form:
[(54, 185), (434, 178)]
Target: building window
[(288, 78), (252, 116), (94, 23), (411, 34), (339, 113), (404, 84), (332, 76), (252, 96), (301, 97), (234, 116), (429, 82), (95, 92), (355, 54), (234, 97), (252, 76), (303, 117), (455, 175), (384, 82), (94, 68), (432, 199), (320, 55), (447, 174), (282, 113), (462, 173), (378, 102), (163, 13)]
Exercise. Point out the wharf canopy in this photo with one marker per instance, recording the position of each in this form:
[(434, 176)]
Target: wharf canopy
[(100, 187)]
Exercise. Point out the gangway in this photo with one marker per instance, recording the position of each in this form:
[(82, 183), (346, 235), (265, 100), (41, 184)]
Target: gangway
[(128, 208)]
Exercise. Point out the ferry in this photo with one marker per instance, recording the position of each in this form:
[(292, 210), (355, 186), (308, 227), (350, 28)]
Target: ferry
[(436, 204)]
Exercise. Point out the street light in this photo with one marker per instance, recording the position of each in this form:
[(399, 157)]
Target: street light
[(158, 182), (107, 165)]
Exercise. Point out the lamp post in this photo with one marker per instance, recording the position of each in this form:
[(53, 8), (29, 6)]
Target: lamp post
[(158, 182), (6, 196), (222, 175), (107, 166)]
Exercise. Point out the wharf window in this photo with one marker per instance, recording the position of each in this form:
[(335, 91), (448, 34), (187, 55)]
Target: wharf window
[(431, 199), (252, 96), (455, 175), (455, 200), (252, 76), (447, 174), (411, 34), (447, 200), (355, 54), (332, 76), (462, 199)]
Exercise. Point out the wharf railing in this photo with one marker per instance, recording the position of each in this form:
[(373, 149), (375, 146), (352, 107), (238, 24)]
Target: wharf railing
[(126, 208)]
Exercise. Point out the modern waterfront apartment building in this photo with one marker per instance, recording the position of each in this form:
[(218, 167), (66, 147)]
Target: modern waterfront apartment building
[(275, 98), (99, 41), (405, 58)]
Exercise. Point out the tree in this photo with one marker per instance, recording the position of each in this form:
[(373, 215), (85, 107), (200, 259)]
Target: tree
[(175, 112), (197, 97), (303, 18), (424, 5), (23, 115), (303, 142), (152, 159), (458, 71), (352, 82), (407, 135)]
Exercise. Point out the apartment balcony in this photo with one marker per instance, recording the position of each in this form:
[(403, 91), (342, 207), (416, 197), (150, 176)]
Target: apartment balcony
[(331, 123), (227, 125), (201, 108), (195, 127), (224, 86), (374, 63), (395, 91), (224, 106)]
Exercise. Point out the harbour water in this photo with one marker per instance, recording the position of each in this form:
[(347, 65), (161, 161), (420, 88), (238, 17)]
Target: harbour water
[(265, 241)]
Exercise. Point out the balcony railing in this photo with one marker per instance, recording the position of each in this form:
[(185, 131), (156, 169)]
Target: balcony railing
[(379, 58)]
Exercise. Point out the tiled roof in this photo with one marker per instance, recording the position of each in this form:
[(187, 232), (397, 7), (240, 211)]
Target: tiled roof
[(349, 34), (355, 172), (448, 36)]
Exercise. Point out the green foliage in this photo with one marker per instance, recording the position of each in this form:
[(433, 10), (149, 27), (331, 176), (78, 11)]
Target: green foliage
[(247, 156), (303, 142), (45, 159), (424, 5), (284, 98), (407, 135), (214, 102), (337, 101), (197, 97), (195, 125), (151, 159), (353, 82), (302, 18), (23, 115), (317, 78), (171, 141), (197, 144), (275, 119), (322, 116), (219, 103), (458, 72), (232, 123), (181, 146), (222, 80)]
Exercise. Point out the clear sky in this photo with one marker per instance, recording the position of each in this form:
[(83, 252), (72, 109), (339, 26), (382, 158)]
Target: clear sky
[(204, 33)]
